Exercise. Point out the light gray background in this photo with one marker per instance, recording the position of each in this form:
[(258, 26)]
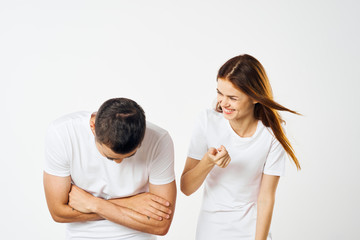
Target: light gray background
[(58, 57)]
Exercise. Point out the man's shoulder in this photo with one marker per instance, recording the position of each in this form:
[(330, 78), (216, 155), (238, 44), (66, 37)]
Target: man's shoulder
[(70, 124), (155, 129), (155, 133), (75, 117)]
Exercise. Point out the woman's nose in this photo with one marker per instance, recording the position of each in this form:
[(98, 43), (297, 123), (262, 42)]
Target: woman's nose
[(224, 102)]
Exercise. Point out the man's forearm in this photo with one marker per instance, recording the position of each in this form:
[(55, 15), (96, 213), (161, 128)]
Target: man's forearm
[(129, 218), (122, 202), (139, 212), (57, 197), (66, 214)]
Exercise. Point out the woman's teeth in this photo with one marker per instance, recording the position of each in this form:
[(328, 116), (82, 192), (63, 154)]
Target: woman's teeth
[(227, 110)]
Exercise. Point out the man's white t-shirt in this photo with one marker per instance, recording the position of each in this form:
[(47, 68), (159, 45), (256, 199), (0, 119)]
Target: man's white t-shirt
[(229, 205), (70, 150)]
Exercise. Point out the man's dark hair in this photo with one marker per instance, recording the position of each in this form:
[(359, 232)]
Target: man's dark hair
[(120, 124)]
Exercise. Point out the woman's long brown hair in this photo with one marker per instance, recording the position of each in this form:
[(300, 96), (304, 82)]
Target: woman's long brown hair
[(248, 75)]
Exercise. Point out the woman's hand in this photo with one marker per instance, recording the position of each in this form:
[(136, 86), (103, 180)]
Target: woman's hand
[(219, 156), (195, 171)]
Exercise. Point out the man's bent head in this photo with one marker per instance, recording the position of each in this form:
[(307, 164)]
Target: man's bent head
[(120, 125)]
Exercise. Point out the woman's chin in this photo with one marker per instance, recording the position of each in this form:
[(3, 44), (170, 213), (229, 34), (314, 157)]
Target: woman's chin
[(228, 116)]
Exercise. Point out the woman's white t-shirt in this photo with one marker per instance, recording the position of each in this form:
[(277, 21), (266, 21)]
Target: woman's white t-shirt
[(229, 207)]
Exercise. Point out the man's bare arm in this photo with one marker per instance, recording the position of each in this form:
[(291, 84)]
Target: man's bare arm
[(147, 204), (57, 195), (85, 202)]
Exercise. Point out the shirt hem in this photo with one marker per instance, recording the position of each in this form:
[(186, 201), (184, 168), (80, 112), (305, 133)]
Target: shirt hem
[(196, 157), (274, 173), (56, 173), (169, 180)]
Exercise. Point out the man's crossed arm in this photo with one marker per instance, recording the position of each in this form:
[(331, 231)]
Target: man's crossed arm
[(146, 212)]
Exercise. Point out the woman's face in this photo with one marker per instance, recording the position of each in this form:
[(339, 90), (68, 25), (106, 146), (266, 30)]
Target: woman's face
[(235, 104)]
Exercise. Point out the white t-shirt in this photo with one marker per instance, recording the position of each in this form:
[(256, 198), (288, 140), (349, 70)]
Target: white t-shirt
[(229, 205), (70, 150)]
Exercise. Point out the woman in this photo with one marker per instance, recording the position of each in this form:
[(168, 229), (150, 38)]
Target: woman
[(239, 150)]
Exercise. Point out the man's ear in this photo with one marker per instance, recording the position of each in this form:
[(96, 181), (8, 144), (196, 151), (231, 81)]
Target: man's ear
[(92, 122)]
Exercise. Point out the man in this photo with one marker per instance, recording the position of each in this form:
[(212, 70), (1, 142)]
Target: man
[(110, 174)]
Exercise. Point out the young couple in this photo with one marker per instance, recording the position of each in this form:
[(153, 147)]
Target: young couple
[(110, 174)]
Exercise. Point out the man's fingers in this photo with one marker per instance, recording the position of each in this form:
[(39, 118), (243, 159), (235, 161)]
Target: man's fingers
[(160, 214), (161, 208), (75, 189), (152, 215), (160, 200)]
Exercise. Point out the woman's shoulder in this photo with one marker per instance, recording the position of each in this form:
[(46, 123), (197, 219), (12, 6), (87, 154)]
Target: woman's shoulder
[(270, 133), (212, 114), (265, 130), (208, 117)]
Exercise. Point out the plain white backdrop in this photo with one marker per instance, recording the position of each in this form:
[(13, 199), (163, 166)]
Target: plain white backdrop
[(58, 57)]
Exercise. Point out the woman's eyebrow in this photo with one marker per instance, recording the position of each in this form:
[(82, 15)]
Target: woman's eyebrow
[(226, 95)]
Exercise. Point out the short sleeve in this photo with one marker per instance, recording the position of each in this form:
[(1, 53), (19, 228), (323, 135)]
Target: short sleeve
[(56, 159), (162, 165), (198, 144), (275, 162)]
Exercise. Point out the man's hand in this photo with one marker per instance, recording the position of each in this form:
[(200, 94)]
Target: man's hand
[(149, 205), (57, 196), (80, 200), (219, 156)]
